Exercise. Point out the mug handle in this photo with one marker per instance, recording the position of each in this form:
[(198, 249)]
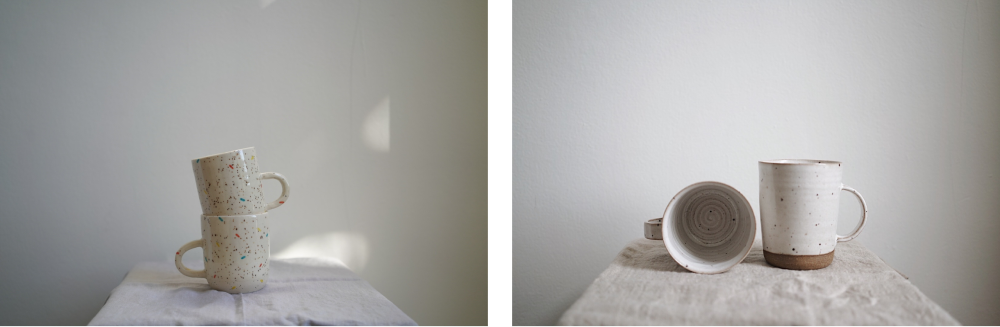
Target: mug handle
[(184, 269), (284, 189), (654, 229), (864, 216)]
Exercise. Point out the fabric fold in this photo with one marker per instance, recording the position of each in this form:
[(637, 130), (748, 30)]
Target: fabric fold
[(645, 286), (302, 291)]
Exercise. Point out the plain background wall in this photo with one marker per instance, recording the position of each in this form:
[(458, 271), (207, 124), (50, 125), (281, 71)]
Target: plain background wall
[(618, 105), (374, 111)]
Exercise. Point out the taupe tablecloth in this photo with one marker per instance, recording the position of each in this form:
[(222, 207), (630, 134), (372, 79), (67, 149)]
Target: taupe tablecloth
[(644, 286)]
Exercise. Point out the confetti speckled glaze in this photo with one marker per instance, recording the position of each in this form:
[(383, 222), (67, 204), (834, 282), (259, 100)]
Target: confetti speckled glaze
[(230, 183), (233, 264)]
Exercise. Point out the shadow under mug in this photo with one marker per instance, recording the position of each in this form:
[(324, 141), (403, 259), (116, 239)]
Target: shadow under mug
[(236, 251)]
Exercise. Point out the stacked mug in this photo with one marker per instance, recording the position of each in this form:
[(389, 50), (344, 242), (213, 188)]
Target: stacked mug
[(235, 236)]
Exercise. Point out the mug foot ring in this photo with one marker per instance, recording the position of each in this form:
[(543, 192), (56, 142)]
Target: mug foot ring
[(799, 262)]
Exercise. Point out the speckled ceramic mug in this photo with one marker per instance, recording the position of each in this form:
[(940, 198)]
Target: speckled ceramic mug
[(236, 250), (799, 207), (229, 183)]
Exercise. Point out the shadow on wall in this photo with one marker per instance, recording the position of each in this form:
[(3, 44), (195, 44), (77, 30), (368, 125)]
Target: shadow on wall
[(349, 247)]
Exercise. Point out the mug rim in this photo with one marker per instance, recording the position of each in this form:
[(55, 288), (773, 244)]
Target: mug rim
[(680, 256), (222, 153), (800, 162)]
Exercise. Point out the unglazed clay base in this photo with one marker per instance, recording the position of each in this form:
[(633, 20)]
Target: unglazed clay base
[(799, 262)]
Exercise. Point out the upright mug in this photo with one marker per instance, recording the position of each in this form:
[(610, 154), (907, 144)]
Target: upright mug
[(230, 183), (236, 250), (799, 204)]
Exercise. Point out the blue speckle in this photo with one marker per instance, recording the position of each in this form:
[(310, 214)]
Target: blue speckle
[(220, 219), (242, 199), (197, 161), (206, 259), (265, 234), (244, 257)]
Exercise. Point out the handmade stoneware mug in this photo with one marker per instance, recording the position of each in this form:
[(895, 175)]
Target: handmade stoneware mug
[(799, 204), (708, 227), (229, 184), (236, 250)]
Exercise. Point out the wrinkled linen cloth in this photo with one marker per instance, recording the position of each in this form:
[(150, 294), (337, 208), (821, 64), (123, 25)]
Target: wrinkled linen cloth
[(303, 291), (645, 286)]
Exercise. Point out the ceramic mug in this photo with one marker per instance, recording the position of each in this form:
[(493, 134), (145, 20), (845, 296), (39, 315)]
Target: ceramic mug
[(229, 184), (236, 250), (799, 204), (707, 228)]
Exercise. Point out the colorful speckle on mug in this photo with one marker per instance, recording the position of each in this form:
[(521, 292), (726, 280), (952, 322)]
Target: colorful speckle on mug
[(230, 191), (231, 254)]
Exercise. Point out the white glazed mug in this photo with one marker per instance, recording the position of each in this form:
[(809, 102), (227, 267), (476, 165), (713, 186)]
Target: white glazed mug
[(708, 227), (799, 207), (235, 249), (229, 184)]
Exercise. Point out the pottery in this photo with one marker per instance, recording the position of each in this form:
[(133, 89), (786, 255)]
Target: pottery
[(230, 183), (235, 249), (799, 204), (708, 227)]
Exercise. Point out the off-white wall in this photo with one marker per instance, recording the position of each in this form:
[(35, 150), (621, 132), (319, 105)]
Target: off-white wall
[(374, 111), (619, 105)]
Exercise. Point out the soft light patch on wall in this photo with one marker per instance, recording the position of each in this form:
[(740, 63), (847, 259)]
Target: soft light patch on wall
[(349, 247), (265, 3), (375, 129)]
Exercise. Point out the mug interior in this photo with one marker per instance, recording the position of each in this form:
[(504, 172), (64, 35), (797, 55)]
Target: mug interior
[(800, 162), (709, 227)]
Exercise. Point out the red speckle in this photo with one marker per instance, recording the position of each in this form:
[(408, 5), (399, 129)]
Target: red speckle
[(238, 235), (231, 167), (281, 201), (213, 276), (178, 252), (261, 265)]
